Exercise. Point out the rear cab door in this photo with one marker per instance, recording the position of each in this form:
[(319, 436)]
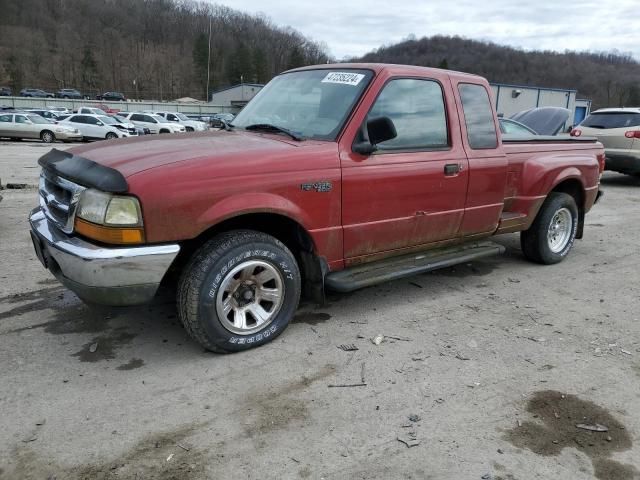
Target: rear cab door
[(488, 163)]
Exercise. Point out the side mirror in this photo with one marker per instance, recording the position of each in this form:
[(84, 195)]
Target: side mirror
[(100, 124), (379, 129)]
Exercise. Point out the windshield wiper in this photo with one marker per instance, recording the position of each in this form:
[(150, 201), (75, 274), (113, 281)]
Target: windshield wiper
[(273, 128)]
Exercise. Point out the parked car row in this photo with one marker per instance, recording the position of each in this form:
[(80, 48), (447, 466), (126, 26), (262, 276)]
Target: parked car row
[(93, 123), (67, 93)]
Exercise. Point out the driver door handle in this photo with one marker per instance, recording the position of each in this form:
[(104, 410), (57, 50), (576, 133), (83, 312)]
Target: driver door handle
[(451, 169)]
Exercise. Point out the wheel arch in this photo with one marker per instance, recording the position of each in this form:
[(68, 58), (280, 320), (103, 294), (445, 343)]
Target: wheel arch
[(282, 227), (573, 186)]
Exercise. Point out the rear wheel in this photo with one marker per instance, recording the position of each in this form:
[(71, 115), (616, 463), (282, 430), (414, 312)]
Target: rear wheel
[(47, 137), (553, 232), (189, 129), (240, 290), (164, 131)]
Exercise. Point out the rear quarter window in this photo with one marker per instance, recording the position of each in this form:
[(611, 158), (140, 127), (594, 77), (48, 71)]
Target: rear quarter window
[(478, 116), (612, 120)]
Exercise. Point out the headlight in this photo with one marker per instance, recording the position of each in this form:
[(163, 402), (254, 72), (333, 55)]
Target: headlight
[(109, 218)]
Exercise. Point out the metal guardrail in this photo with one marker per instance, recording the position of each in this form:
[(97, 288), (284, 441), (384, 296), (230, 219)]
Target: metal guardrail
[(128, 106)]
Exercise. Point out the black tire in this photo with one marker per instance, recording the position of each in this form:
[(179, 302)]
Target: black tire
[(535, 242), (111, 136), (189, 129), (206, 272), (164, 131), (47, 136)]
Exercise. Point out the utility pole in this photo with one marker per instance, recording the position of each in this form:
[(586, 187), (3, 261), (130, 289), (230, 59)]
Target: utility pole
[(209, 61)]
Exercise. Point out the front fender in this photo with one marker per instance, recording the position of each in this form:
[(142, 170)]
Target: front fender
[(246, 203)]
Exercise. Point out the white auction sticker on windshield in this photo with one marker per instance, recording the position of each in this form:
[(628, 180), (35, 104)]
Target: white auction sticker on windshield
[(345, 78)]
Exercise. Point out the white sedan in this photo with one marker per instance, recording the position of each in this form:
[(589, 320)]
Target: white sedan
[(96, 127), (155, 123)]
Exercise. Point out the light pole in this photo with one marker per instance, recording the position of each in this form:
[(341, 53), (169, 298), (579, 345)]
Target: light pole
[(209, 61)]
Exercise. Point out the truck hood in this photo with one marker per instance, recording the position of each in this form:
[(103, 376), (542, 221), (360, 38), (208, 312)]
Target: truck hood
[(134, 155)]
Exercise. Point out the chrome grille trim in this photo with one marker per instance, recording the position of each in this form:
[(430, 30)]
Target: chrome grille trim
[(59, 199)]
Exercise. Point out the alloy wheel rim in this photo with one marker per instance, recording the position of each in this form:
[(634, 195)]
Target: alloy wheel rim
[(560, 228), (250, 297)]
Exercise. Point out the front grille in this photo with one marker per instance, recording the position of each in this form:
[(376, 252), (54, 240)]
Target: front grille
[(58, 199), (133, 131)]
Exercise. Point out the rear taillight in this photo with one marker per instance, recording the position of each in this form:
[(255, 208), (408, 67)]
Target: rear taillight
[(632, 134), (601, 161), (576, 132)]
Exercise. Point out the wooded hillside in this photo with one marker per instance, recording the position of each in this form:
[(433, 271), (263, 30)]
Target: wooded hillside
[(103, 45), (609, 79)]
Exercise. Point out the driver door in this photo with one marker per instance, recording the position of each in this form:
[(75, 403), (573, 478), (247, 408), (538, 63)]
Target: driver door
[(412, 190)]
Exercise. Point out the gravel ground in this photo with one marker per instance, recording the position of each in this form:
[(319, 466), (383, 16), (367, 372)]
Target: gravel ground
[(485, 370)]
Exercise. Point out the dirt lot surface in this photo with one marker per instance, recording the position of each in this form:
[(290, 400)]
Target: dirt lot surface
[(484, 373)]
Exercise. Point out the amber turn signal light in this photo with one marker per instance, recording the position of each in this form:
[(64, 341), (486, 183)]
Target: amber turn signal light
[(110, 235)]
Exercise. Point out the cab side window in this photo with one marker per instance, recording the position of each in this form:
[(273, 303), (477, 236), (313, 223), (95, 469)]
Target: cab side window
[(137, 117), (21, 119), (417, 110), (5, 118), (478, 116)]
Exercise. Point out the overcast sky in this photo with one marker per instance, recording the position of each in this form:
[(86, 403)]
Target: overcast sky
[(352, 28)]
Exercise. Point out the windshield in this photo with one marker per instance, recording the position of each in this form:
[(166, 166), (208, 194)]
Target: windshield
[(108, 120), (37, 119), (97, 111), (612, 120), (181, 116), (311, 103)]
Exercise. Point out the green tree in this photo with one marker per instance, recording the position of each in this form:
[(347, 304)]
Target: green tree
[(260, 67), (200, 59), (296, 58), (89, 69), (14, 70), (240, 67), (443, 64)]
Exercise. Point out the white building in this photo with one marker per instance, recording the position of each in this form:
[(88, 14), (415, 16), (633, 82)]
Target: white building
[(511, 99), (236, 96)]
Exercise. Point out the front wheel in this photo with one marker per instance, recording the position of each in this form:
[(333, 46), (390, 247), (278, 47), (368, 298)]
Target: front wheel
[(111, 136), (240, 290), (553, 232)]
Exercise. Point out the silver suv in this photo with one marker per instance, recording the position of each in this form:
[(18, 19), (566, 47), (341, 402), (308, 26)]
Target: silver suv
[(618, 129)]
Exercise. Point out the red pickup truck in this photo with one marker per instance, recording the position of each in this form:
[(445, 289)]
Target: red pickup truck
[(334, 176)]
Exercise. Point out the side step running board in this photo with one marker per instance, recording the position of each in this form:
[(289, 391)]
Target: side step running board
[(407, 265)]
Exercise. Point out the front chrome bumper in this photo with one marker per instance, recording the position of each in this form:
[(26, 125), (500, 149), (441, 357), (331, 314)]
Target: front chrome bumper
[(108, 276)]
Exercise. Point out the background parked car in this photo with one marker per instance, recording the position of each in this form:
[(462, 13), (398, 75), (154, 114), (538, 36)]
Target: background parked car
[(92, 111), (511, 127), (5, 92), (35, 92), (68, 93), (96, 127), (45, 113), (155, 123), (181, 119), (19, 125), (217, 119), (112, 97), (618, 129)]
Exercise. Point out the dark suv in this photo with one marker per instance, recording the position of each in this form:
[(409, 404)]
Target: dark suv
[(112, 97), (35, 92), (5, 92), (68, 93)]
